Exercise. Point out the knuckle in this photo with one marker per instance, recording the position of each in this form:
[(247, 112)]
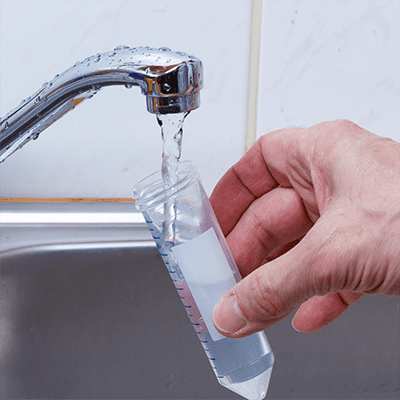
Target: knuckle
[(347, 128), (344, 124), (262, 235), (339, 128)]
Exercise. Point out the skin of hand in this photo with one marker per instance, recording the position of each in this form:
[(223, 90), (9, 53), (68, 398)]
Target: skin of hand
[(312, 217)]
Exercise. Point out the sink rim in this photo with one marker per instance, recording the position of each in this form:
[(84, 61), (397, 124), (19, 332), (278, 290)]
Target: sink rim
[(50, 226)]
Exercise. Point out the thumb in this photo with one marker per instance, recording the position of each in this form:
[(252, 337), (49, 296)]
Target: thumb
[(315, 267), (263, 298)]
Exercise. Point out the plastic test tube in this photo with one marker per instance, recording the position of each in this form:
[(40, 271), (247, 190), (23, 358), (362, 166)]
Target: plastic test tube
[(202, 268)]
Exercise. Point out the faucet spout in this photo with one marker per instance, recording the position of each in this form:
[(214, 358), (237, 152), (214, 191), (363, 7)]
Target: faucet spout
[(171, 82)]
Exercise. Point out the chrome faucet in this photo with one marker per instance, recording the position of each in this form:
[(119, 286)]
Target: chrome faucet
[(170, 80)]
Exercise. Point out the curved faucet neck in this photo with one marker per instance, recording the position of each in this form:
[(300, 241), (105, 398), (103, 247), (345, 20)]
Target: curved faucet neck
[(171, 82)]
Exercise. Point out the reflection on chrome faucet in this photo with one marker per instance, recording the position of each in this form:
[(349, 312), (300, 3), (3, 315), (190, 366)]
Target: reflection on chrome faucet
[(171, 82)]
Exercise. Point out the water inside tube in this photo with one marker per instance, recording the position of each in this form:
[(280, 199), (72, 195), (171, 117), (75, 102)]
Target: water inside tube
[(241, 365)]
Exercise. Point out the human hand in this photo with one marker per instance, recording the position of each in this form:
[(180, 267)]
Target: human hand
[(312, 217)]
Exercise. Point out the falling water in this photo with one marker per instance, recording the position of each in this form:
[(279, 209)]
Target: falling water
[(171, 133)]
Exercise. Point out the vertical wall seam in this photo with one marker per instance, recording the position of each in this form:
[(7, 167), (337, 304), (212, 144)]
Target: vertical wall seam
[(254, 63)]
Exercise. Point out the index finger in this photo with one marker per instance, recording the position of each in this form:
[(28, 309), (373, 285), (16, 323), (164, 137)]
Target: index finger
[(244, 182)]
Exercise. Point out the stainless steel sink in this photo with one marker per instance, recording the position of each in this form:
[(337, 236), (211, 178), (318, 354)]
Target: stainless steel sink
[(88, 310)]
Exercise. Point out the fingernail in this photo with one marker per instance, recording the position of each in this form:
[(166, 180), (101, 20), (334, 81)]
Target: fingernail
[(293, 326), (227, 316)]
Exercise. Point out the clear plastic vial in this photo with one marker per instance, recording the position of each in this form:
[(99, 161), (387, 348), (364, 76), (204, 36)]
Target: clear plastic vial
[(202, 268)]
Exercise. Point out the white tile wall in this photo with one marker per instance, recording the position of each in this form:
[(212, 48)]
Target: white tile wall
[(320, 60), (109, 143), (328, 59)]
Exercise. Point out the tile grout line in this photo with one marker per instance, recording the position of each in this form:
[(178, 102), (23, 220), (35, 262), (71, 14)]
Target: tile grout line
[(254, 62)]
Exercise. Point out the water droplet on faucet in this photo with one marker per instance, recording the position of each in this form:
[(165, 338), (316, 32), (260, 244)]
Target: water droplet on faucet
[(45, 84), (164, 49), (112, 54), (121, 47), (166, 87), (128, 85)]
